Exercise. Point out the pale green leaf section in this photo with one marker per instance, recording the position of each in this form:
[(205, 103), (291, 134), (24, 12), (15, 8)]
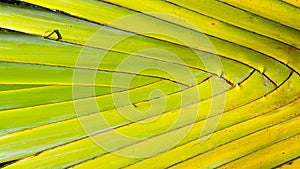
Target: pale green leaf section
[(13, 99), (4, 87)]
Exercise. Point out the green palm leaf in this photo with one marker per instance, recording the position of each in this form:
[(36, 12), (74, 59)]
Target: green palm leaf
[(149, 84)]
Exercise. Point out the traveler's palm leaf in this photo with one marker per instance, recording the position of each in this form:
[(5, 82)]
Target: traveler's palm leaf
[(218, 79)]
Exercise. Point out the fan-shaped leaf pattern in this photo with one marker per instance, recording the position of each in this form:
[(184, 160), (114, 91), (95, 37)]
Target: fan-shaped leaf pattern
[(226, 71)]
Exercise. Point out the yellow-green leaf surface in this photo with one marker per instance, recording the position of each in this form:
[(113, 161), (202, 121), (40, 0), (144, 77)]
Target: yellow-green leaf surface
[(149, 84), (293, 2)]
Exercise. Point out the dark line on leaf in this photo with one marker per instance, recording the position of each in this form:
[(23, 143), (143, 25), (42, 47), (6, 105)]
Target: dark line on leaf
[(289, 162), (287, 3), (259, 149), (7, 163), (257, 15)]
